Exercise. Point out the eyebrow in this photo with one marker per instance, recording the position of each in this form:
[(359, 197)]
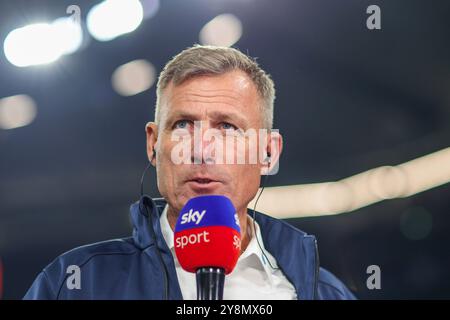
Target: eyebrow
[(229, 116)]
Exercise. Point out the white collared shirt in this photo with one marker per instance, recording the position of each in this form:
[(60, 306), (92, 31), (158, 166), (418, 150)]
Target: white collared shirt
[(252, 278)]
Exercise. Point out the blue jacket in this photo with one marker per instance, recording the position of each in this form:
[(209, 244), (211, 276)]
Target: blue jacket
[(134, 267)]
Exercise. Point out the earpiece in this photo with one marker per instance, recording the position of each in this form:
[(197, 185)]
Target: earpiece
[(268, 158), (264, 183), (154, 153)]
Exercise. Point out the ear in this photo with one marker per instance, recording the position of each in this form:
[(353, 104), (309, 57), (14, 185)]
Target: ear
[(273, 149), (151, 130)]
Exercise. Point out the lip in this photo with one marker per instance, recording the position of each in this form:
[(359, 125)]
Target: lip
[(203, 183), (201, 178)]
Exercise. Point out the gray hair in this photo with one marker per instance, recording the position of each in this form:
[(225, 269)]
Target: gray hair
[(211, 60)]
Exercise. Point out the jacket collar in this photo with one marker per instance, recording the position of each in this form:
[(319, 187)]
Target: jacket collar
[(294, 250)]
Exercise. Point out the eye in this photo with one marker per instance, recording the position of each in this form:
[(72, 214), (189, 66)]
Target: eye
[(228, 126), (181, 124)]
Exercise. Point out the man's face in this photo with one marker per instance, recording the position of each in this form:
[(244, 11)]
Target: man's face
[(224, 102)]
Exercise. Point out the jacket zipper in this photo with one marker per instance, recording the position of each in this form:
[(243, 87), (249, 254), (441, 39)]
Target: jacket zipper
[(317, 269)]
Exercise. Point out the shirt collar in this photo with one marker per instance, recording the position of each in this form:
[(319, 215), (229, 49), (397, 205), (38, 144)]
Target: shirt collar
[(253, 250)]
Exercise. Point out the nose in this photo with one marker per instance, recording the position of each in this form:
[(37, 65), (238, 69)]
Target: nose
[(206, 144)]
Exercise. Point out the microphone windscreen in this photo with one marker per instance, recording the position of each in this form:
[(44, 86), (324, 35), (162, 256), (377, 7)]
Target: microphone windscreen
[(207, 234)]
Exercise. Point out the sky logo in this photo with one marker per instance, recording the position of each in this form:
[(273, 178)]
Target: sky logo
[(192, 216)]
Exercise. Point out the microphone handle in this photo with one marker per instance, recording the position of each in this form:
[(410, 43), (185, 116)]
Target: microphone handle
[(210, 282)]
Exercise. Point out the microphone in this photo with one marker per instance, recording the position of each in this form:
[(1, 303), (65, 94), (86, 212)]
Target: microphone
[(208, 242)]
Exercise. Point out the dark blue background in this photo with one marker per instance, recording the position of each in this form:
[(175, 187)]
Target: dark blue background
[(348, 100)]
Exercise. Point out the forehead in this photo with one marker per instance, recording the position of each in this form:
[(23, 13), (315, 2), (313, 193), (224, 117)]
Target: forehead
[(233, 91)]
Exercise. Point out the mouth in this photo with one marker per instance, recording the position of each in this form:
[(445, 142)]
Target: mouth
[(202, 180), (203, 184)]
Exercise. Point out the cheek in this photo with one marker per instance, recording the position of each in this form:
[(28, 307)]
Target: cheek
[(164, 171), (244, 185), (165, 147), (245, 177)]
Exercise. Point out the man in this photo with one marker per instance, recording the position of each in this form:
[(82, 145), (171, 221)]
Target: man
[(200, 90)]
